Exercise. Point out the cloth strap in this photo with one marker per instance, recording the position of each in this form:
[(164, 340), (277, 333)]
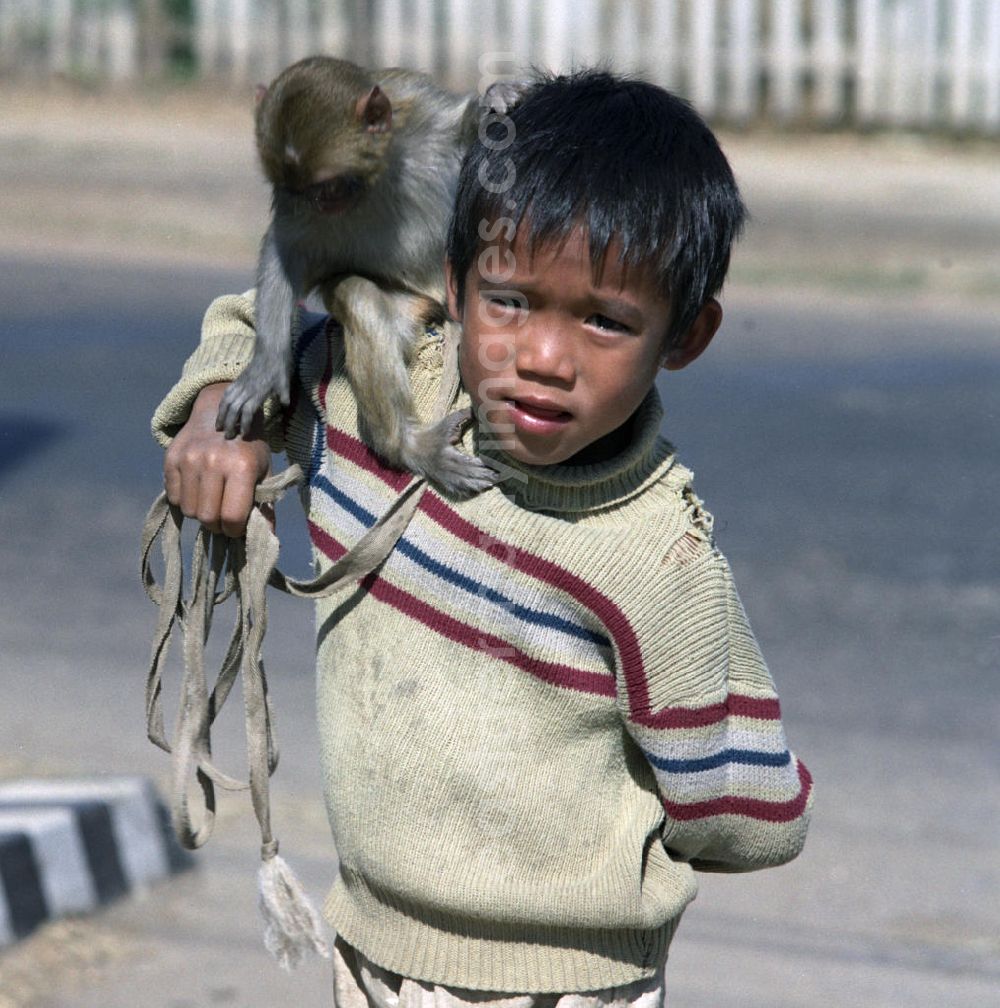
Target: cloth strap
[(222, 567)]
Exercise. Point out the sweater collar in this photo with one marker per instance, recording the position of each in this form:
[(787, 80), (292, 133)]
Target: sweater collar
[(565, 489)]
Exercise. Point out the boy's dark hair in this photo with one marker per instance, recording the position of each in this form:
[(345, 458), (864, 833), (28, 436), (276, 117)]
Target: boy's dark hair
[(622, 157)]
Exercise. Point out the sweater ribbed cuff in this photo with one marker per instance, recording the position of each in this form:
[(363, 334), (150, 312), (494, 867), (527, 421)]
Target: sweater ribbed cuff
[(220, 360)]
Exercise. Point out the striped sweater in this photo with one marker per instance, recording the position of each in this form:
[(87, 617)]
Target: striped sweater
[(540, 714)]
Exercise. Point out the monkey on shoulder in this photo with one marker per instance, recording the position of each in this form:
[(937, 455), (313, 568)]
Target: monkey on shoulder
[(363, 168)]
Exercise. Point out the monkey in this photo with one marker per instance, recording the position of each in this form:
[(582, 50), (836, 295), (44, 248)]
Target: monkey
[(363, 168)]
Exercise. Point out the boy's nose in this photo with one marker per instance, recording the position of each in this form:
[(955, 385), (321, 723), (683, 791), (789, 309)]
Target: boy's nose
[(544, 352)]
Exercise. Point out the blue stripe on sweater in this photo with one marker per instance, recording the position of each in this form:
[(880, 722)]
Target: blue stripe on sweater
[(750, 757), (445, 573)]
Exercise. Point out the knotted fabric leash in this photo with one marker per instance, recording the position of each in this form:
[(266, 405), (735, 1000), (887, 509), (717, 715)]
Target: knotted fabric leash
[(222, 567), (244, 568)]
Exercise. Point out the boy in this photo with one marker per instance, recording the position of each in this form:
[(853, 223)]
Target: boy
[(546, 709)]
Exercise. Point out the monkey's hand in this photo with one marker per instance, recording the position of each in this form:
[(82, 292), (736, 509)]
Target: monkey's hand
[(502, 95), (430, 451), (266, 374)]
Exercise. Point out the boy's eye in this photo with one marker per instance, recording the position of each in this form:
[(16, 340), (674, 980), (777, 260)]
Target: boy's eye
[(603, 322)]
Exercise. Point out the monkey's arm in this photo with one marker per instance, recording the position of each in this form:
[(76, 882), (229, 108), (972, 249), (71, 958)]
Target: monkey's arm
[(227, 340), (278, 283)]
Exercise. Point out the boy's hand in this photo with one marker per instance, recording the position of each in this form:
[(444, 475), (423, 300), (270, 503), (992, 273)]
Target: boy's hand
[(210, 478)]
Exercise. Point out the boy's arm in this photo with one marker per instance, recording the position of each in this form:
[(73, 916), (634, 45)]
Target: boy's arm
[(210, 478), (227, 337), (699, 702)]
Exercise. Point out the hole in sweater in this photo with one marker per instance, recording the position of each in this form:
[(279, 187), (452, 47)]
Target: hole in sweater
[(686, 549)]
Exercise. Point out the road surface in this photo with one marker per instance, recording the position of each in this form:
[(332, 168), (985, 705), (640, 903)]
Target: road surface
[(849, 452)]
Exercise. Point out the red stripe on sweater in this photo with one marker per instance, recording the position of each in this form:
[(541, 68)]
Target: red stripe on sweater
[(753, 808), (606, 611), (358, 453), (615, 622), (409, 605), (699, 717)]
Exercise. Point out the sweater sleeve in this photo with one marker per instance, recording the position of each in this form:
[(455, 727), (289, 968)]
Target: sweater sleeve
[(227, 337), (699, 702)]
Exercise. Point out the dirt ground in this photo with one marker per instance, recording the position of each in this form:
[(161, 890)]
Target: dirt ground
[(171, 177)]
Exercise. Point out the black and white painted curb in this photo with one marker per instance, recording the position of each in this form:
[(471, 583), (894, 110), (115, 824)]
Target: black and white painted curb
[(70, 846)]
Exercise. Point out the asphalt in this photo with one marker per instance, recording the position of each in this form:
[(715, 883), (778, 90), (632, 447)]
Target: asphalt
[(843, 430)]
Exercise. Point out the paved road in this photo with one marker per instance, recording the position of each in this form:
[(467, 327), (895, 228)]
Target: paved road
[(850, 454)]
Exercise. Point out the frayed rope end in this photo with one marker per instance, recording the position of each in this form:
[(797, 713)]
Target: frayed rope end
[(292, 927)]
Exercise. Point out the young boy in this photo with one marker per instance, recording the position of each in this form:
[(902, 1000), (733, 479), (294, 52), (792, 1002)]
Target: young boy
[(546, 709)]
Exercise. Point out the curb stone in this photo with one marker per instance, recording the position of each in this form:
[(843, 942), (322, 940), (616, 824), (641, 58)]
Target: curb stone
[(70, 846)]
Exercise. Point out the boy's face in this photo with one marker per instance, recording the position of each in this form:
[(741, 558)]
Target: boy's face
[(554, 358)]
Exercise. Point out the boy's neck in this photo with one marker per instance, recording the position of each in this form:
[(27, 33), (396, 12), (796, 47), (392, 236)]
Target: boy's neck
[(606, 447)]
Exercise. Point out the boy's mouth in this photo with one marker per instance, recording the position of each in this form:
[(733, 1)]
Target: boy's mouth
[(539, 416)]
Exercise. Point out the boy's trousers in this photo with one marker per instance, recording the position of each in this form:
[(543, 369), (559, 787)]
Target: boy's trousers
[(359, 983)]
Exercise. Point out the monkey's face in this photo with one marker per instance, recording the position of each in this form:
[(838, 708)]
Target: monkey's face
[(555, 357), (322, 135)]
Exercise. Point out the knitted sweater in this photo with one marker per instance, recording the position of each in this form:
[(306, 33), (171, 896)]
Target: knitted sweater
[(539, 714)]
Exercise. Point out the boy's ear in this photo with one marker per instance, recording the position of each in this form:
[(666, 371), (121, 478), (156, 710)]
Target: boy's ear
[(696, 339), (451, 292)]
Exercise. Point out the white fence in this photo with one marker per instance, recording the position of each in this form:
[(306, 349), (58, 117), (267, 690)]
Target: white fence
[(908, 63)]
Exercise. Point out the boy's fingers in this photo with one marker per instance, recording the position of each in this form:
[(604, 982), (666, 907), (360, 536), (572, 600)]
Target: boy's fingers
[(172, 484), (235, 503), (208, 501)]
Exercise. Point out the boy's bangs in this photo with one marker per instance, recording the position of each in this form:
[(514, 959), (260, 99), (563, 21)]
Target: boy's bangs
[(633, 164), (548, 205)]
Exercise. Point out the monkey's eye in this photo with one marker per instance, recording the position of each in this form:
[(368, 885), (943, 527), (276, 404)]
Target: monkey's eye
[(337, 194)]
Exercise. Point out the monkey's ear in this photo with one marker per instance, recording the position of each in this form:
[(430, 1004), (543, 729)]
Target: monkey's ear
[(374, 111), (258, 93)]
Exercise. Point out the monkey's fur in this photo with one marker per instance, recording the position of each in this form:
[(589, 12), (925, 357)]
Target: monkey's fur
[(363, 169)]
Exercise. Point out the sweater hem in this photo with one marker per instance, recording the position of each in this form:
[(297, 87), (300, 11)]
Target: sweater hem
[(488, 955)]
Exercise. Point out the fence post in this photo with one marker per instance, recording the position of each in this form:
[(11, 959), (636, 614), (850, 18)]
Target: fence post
[(461, 71), (900, 59), (60, 22), (554, 38), (332, 29), (991, 70), (121, 40), (960, 106), (424, 39), (743, 60), (89, 52), (588, 33), (206, 36), (930, 64), (239, 43), (703, 56), (869, 54), (828, 60), (626, 50), (785, 57), (522, 32), (387, 39), (663, 44), (300, 38)]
